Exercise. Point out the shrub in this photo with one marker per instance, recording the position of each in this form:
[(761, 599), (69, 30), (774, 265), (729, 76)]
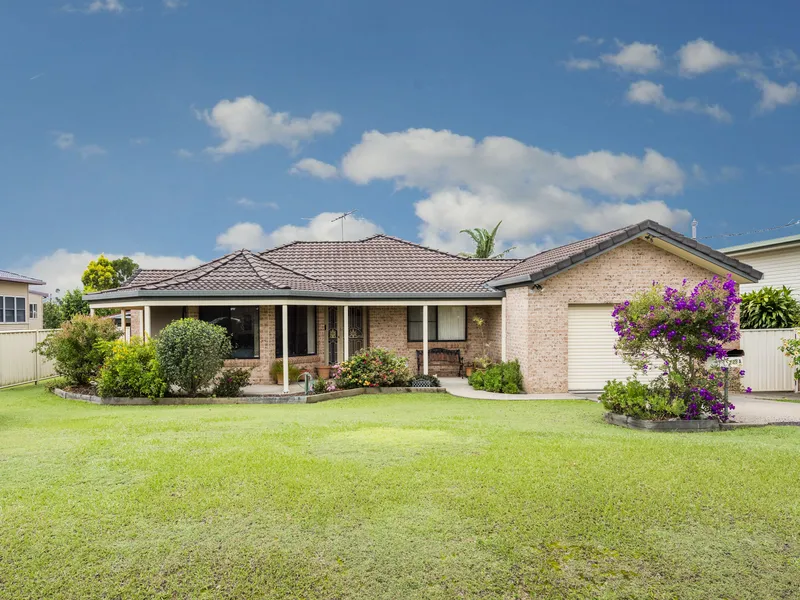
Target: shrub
[(791, 350), (425, 381), (191, 352), (132, 371), (276, 371), (639, 400), (320, 386), (372, 367), (55, 382), (769, 308), (78, 350), (678, 331), (229, 382), (502, 378)]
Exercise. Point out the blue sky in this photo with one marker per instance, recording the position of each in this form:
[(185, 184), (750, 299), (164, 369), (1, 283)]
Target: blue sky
[(152, 127)]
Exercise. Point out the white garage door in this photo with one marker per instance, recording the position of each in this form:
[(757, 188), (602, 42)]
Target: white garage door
[(592, 360)]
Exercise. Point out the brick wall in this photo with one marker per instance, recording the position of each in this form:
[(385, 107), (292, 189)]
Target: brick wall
[(388, 328), (607, 279)]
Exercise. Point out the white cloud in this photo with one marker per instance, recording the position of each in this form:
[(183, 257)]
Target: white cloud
[(321, 227), (773, 94), (649, 93), (184, 153), (701, 56), (635, 58), (174, 4), (472, 183), (247, 203), (585, 39), (98, 6), (66, 141), (245, 124), (315, 168), (581, 64), (63, 269)]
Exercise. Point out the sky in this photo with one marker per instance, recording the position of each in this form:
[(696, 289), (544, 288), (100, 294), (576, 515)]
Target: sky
[(174, 131)]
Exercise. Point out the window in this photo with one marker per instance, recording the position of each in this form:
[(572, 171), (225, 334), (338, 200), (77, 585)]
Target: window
[(34, 311), (445, 323), (241, 323), (12, 309), (302, 330)]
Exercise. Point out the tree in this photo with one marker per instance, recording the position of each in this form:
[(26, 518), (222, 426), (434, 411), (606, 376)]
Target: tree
[(484, 243), (52, 315), (99, 275), (770, 308), (73, 304), (124, 267)]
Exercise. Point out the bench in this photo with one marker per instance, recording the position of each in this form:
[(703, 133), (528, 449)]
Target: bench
[(442, 357)]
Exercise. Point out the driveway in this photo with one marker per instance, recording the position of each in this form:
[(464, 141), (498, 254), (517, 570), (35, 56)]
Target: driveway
[(752, 408)]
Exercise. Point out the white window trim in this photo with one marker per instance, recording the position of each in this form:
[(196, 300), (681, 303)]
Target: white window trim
[(3, 316), (33, 310)]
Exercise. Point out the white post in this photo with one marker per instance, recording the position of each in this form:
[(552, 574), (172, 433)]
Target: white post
[(285, 349), (124, 325), (503, 352), (346, 336), (148, 329), (91, 312), (425, 339)]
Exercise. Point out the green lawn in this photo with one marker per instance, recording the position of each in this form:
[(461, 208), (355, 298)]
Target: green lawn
[(408, 496)]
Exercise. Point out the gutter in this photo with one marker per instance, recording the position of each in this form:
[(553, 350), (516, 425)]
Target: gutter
[(119, 295)]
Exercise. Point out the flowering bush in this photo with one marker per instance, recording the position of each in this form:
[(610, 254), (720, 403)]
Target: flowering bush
[(677, 331), (229, 382), (372, 367), (791, 349), (132, 371)]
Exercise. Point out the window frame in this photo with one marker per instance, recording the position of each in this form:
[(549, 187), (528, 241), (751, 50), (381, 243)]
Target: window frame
[(279, 330), (435, 309), (33, 310), (15, 302)]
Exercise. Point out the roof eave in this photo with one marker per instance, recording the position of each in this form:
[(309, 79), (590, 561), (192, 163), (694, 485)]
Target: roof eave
[(138, 293)]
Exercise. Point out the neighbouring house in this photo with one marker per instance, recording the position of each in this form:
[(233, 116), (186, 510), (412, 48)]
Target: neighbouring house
[(319, 302), (20, 306), (778, 259)]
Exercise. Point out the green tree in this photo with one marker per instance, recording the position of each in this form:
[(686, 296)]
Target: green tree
[(770, 308), (484, 243), (99, 275), (124, 267), (73, 304), (52, 314)]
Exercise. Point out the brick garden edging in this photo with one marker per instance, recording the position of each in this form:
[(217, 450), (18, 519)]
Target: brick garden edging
[(673, 425), (288, 399)]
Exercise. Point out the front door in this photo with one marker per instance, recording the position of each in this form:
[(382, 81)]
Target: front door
[(333, 335), (358, 326), (355, 337)]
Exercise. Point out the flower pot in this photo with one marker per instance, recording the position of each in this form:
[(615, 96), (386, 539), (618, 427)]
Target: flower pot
[(324, 371), (468, 370)]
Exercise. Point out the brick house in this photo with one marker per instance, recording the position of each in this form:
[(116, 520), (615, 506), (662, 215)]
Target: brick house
[(319, 302)]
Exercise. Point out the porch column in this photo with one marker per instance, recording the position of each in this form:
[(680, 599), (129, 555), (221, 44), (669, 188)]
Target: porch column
[(425, 339), (346, 336), (285, 349), (148, 325), (124, 326), (91, 312), (503, 352)]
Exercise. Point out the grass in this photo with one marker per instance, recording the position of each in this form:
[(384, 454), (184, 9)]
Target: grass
[(792, 400), (407, 496)]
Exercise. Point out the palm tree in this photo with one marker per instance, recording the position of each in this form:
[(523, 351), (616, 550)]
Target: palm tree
[(484, 243)]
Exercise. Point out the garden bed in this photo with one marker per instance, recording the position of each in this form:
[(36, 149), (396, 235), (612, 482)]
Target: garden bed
[(685, 425), (274, 399)]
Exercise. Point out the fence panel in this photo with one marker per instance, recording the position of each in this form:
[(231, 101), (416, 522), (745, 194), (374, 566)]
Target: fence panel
[(766, 368), (18, 363)]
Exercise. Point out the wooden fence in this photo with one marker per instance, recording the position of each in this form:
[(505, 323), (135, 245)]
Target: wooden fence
[(19, 362)]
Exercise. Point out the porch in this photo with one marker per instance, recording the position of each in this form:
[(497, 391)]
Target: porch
[(320, 333)]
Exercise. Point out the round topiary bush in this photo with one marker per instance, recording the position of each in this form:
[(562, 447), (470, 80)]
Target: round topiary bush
[(191, 353)]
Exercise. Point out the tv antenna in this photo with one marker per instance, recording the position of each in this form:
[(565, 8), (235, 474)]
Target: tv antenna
[(342, 218)]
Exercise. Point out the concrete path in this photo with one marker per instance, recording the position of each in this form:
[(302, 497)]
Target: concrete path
[(458, 386), (750, 408)]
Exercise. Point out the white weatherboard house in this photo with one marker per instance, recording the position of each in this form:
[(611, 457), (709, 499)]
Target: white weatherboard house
[(778, 259)]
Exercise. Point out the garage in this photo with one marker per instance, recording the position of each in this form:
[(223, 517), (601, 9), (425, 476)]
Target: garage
[(591, 339)]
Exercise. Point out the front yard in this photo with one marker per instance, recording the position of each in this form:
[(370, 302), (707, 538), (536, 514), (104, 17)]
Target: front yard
[(423, 496)]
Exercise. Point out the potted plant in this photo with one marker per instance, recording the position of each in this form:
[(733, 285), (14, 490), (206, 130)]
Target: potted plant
[(324, 371), (469, 369), (276, 371)]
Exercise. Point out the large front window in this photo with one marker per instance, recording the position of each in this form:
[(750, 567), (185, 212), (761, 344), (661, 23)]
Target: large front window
[(241, 323), (12, 309), (445, 323), (302, 330)]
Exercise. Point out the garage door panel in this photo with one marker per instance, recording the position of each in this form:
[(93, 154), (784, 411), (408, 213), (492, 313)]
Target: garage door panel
[(591, 338)]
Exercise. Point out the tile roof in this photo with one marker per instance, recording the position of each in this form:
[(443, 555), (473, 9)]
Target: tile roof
[(17, 278), (142, 277), (384, 264), (241, 270)]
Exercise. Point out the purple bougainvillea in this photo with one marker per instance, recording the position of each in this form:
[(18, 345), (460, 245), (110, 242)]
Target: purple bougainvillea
[(681, 330)]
